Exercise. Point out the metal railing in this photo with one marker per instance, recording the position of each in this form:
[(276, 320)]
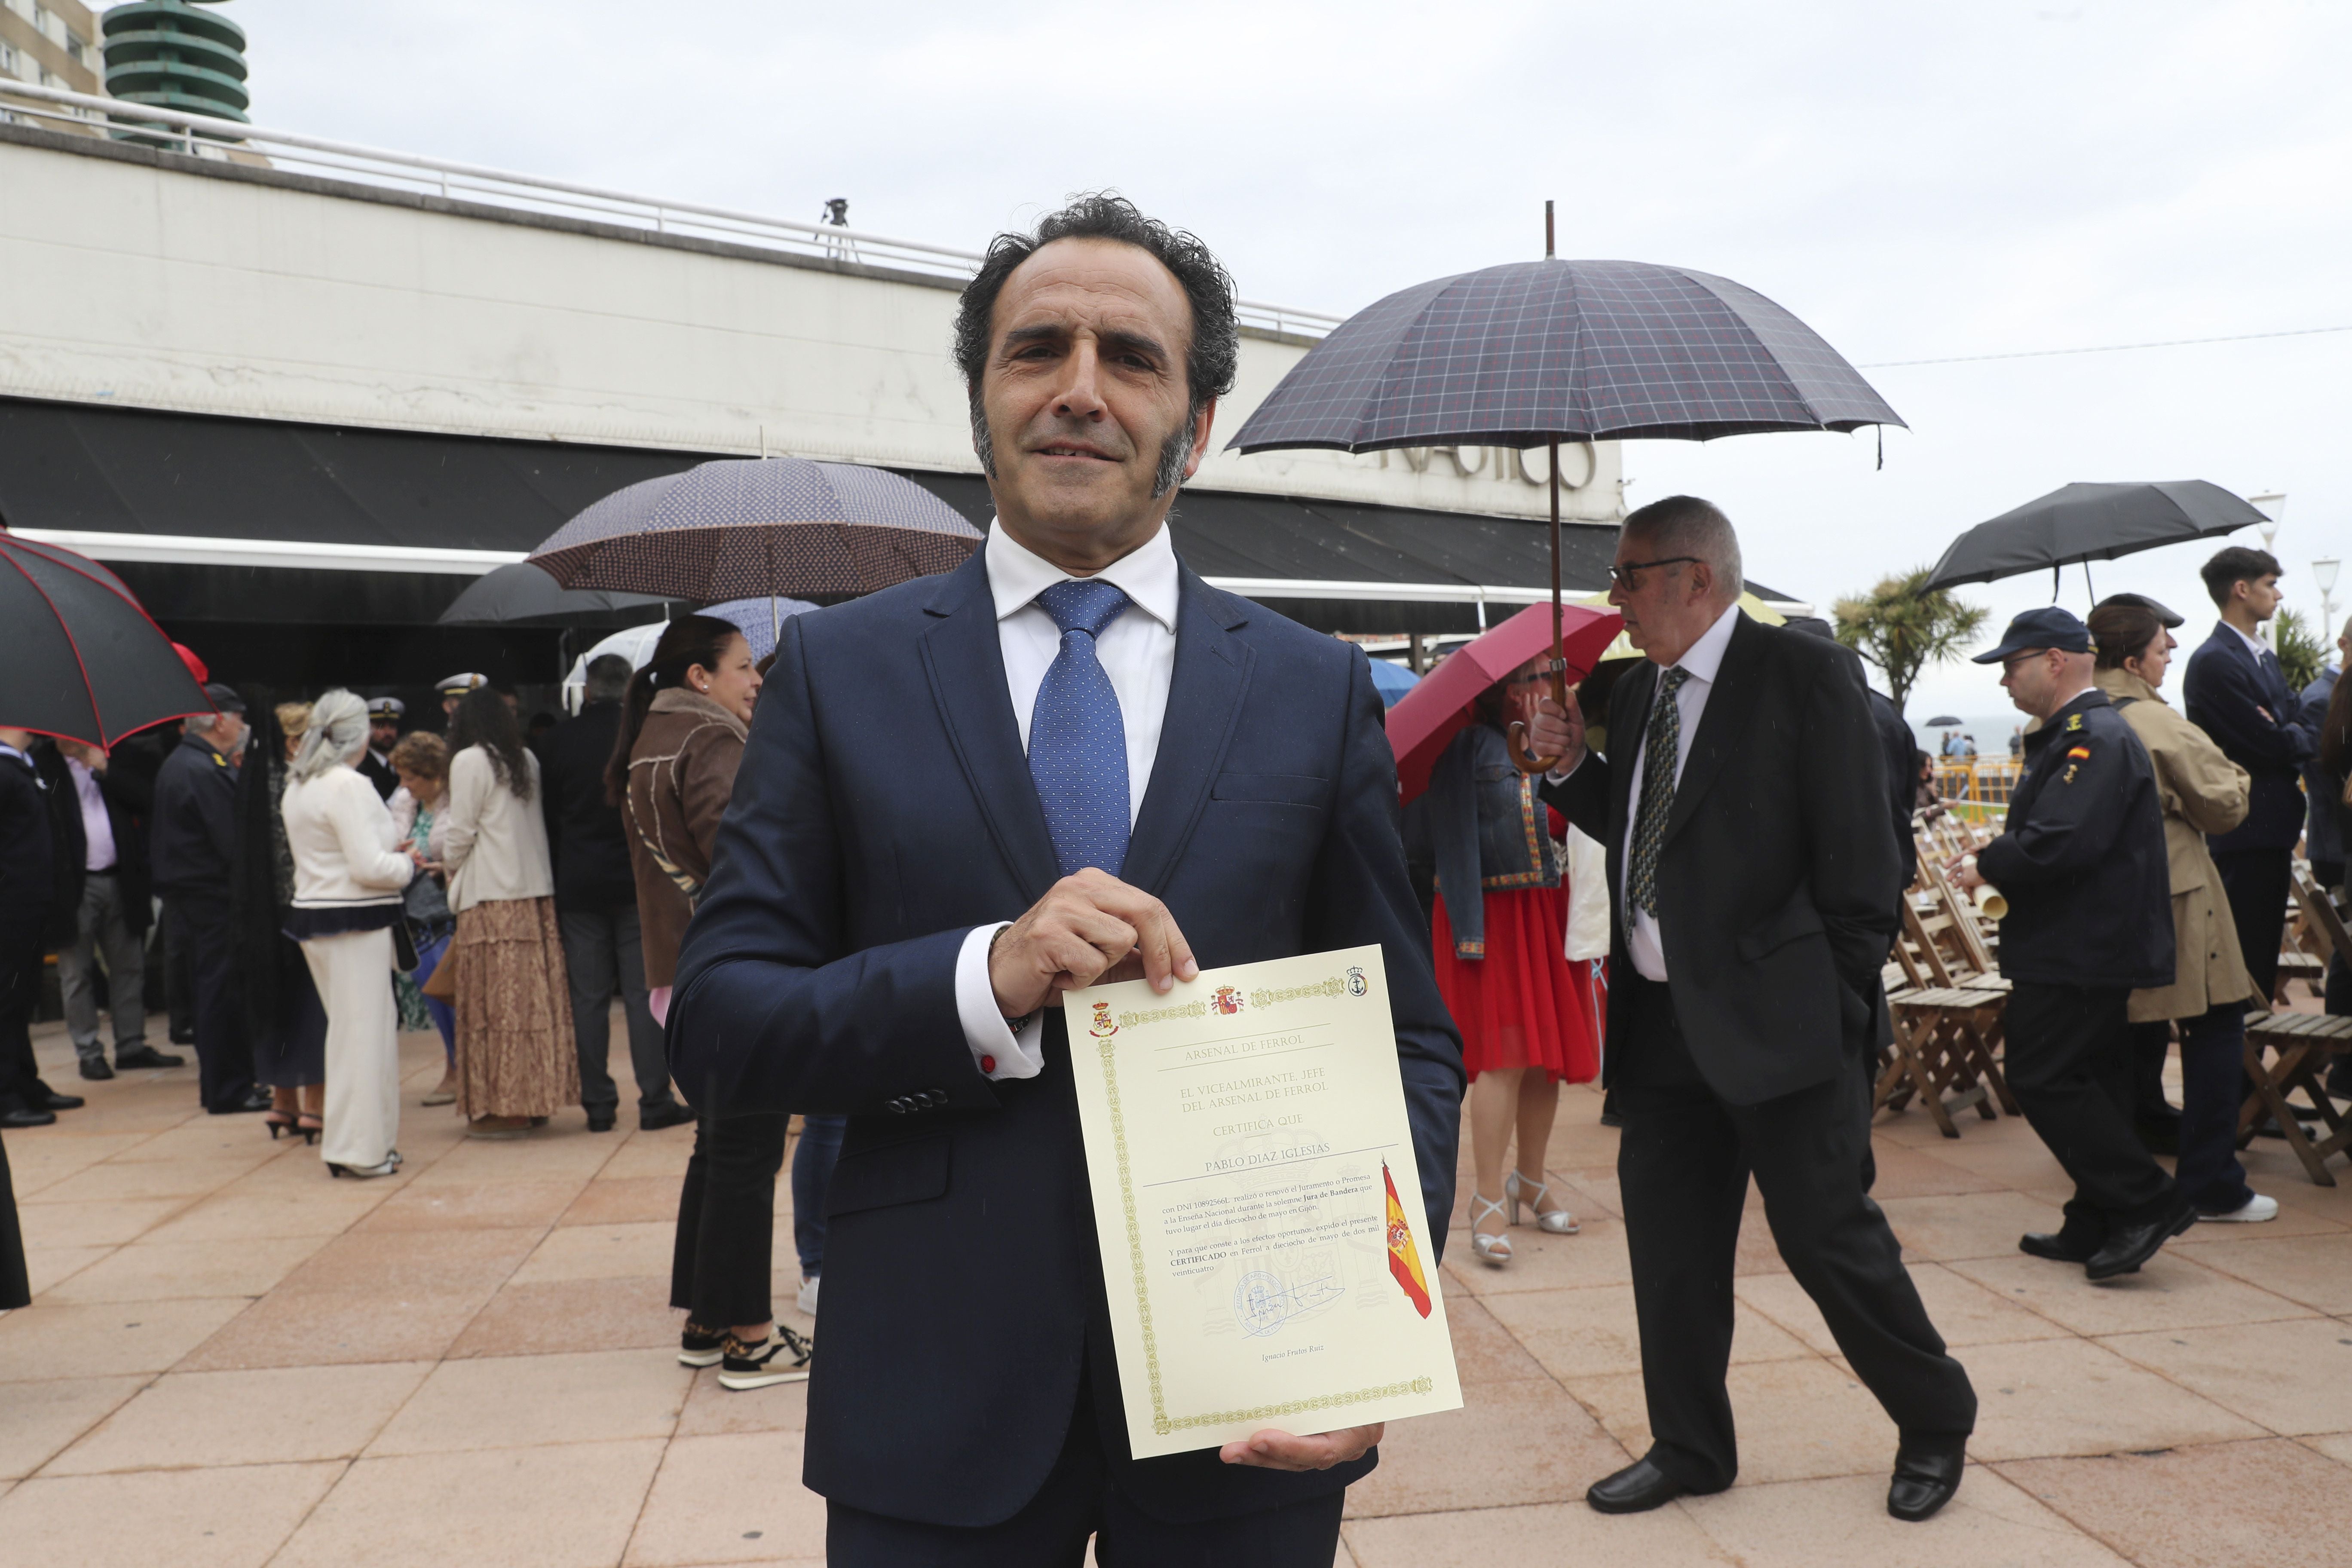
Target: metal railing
[(204, 136)]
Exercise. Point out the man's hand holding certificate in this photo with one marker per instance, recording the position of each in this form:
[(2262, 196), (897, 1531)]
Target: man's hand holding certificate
[(1258, 1207)]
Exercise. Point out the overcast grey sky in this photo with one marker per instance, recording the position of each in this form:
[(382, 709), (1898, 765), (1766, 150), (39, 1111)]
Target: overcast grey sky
[(1913, 180)]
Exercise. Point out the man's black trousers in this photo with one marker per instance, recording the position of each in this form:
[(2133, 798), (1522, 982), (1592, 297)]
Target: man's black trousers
[(20, 998), (224, 1049), (1683, 1165), (2258, 882), (2069, 1061), (1080, 1501)]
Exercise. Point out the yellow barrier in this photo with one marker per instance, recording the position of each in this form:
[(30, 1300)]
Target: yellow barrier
[(1977, 787)]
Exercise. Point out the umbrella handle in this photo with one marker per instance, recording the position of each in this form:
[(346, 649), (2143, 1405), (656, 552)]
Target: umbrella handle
[(1526, 760)]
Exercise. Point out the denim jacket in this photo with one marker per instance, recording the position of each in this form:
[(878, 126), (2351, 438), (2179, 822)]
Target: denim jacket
[(1483, 829)]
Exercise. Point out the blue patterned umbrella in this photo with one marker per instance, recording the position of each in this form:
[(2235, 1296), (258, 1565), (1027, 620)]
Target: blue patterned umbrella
[(759, 619), (1536, 353), (753, 527)]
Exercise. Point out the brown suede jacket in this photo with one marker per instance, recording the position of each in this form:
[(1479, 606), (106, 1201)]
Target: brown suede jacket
[(681, 773)]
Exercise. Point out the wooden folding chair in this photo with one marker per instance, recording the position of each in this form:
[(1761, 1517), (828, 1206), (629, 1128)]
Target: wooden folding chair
[(2305, 1043)]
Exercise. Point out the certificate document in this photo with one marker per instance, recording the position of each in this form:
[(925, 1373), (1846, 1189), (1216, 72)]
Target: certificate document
[(1258, 1206)]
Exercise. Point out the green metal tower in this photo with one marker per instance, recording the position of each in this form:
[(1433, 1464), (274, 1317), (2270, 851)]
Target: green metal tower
[(173, 56)]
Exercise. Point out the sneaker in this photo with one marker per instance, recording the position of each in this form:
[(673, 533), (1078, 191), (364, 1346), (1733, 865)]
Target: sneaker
[(807, 1299), (744, 1366), (2254, 1211), (698, 1346)]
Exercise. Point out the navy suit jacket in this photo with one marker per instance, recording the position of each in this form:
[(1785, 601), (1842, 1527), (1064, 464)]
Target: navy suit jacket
[(883, 810), (2225, 686)]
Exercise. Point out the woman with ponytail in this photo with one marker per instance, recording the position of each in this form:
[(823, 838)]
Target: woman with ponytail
[(518, 1063), (682, 732), (347, 879)]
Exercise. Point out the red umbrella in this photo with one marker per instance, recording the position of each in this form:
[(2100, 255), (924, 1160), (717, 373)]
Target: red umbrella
[(1434, 711)]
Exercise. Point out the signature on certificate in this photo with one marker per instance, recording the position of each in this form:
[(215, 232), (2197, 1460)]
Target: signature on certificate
[(1262, 1303)]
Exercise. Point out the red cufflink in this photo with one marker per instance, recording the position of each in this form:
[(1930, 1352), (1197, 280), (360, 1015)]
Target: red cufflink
[(988, 1063)]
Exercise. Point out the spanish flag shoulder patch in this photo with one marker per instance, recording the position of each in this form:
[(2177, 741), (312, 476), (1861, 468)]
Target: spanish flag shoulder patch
[(1405, 1258), (2079, 754)]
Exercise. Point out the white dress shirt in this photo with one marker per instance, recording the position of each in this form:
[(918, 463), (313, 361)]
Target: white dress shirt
[(2253, 645), (1700, 665), (1138, 650)]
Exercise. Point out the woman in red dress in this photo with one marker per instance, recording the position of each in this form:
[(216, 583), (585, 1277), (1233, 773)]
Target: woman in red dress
[(1499, 930)]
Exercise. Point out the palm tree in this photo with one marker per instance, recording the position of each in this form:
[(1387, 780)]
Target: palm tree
[(1903, 626)]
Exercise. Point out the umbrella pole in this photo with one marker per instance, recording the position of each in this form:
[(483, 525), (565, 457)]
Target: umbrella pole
[(1528, 763)]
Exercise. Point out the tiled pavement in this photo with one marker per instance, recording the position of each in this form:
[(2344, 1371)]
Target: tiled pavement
[(234, 1360)]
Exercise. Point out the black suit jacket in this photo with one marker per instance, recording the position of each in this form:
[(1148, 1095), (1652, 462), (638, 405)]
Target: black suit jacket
[(883, 810), (2225, 694), (27, 858), (585, 835), (1777, 882), (192, 841), (73, 845)]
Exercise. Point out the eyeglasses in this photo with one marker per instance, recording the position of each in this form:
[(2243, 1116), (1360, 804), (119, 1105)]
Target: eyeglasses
[(1623, 576), (2017, 661)]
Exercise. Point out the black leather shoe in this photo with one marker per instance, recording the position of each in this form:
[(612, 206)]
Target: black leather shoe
[(145, 1058), (19, 1116), (600, 1120), (1637, 1488), (2055, 1247), (258, 1100), (95, 1069), (661, 1116), (2130, 1246), (44, 1098), (1924, 1482)]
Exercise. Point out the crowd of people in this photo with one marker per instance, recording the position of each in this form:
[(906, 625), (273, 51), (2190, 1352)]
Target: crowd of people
[(326, 877)]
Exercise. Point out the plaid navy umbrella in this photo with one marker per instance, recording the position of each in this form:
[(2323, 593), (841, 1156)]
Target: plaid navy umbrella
[(1536, 353), (749, 527)]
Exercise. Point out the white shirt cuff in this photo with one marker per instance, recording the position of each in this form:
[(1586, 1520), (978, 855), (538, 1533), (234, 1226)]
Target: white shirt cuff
[(998, 1049), (1561, 776)]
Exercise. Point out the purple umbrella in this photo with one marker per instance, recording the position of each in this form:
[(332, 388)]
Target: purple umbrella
[(748, 528), (1533, 353)]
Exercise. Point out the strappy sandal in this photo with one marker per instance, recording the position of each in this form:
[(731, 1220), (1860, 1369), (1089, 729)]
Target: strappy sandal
[(1558, 1222), (1493, 1251)]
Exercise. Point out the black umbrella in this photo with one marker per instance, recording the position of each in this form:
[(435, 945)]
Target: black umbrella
[(1538, 352), (1938, 723), (2090, 522), (84, 662), (524, 596)]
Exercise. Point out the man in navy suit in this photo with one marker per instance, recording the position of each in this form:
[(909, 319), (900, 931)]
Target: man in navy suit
[(1068, 761), (2235, 692)]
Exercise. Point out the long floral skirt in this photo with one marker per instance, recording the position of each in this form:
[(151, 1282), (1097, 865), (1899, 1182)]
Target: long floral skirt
[(516, 1052)]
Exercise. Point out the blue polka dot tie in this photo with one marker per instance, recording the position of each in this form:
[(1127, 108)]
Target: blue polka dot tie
[(1078, 741)]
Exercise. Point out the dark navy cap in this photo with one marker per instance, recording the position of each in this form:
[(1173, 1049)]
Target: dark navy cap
[(2048, 626)]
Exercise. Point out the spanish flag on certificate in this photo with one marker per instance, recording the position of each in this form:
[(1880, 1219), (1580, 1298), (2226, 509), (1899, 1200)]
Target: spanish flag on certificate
[(1404, 1259)]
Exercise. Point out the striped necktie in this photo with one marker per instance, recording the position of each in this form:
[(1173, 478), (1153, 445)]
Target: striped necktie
[(1660, 753)]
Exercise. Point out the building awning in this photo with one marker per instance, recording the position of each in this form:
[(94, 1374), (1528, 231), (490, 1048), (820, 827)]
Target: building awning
[(262, 521)]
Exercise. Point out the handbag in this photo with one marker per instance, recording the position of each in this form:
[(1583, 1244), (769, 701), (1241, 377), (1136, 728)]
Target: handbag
[(442, 983)]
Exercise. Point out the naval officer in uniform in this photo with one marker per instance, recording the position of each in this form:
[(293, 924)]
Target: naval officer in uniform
[(2084, 866)]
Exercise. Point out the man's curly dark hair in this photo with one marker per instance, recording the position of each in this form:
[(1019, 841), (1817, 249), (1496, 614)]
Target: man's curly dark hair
[(1209, 362)]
